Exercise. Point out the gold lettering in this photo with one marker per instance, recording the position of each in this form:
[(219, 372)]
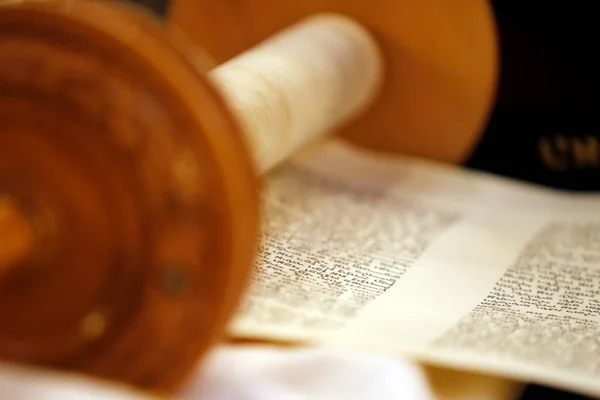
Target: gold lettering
[(560, 153), (585, 152), (561, 143), (555, 160)]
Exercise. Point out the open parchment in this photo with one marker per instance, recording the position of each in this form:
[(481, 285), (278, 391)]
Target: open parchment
[(413, 258)]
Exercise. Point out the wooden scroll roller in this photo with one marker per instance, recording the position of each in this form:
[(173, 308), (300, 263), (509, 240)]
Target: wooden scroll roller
[(129, 203)]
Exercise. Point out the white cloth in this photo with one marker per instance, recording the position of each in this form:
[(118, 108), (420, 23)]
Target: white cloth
[(251, 373)]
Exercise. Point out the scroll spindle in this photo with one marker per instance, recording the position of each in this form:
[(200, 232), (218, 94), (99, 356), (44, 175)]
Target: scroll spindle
[(302, 83)]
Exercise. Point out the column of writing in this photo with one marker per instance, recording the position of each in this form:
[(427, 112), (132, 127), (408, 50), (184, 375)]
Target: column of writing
[(328, 249), (546, 308)]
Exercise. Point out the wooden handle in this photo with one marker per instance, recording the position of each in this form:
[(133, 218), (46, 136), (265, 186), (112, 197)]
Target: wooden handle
[(301, 83), (119, 149)]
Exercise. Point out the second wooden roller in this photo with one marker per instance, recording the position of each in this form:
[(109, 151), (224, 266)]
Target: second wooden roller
[(128, 160)]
